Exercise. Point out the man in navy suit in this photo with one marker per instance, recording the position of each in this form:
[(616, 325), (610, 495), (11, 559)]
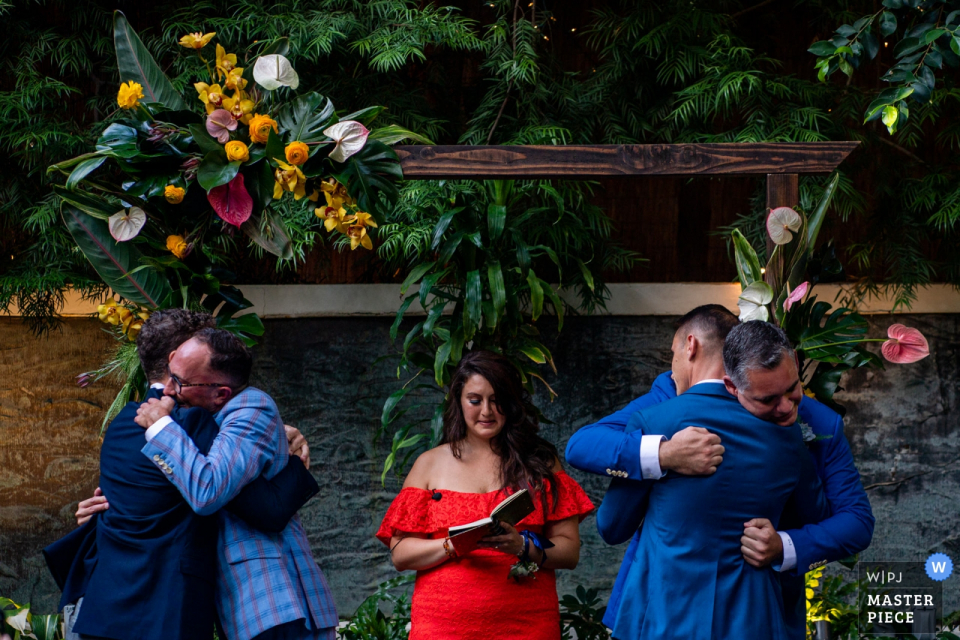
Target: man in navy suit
[(146, 568), (794, 549)]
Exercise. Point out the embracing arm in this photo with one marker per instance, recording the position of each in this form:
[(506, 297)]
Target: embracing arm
[(850, 527), (250, 432)]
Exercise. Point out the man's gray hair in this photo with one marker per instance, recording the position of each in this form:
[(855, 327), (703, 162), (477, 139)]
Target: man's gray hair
[(754, 345)]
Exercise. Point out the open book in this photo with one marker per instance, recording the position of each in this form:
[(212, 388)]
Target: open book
[(511, 510)]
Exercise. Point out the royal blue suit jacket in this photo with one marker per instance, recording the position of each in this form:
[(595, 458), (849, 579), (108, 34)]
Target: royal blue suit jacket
[(146, 567), (848, 531), (688, 579)]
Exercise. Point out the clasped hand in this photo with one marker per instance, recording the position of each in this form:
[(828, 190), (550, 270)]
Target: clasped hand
[(510, 542), (152, 410)]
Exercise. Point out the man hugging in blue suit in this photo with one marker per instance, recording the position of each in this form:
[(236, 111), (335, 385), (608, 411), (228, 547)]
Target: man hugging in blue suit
[(721, 522)]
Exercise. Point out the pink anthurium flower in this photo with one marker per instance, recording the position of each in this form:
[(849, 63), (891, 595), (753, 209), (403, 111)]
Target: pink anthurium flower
[(232, 201), (126, 224), (796, 295), (350, 137), (781, 222), (905, 345), (219, 125)]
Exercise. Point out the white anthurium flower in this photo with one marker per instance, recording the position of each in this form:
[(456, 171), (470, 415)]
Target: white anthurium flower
[(781, 222), (274, 71), (19, 623), (350, 137), (126, 224), (754, 300)]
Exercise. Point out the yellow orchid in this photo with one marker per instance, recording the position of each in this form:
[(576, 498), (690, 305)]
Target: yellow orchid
[(337, 190), (357, 232), (196, 40), (109, 312), (235, 80), (289, 178), (239, 107), (211, 95), (133, 323), (334, 216), (225, 62)]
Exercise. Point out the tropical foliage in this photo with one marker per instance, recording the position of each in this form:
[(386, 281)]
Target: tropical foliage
[(18, 622)]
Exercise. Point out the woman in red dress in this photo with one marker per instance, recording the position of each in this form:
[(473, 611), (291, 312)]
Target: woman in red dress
[(490, 449)]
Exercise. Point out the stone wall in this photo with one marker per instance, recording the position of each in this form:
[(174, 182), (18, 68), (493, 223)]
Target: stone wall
[(902, 425)]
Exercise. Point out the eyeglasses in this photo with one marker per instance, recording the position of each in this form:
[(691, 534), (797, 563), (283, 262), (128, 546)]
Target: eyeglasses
[(180, 384)]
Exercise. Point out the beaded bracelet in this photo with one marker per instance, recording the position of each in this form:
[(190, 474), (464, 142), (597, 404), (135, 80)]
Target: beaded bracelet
[(449, 549)]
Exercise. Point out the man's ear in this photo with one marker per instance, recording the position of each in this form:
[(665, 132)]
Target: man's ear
[(170, 357), (693, 346), (728, 383)]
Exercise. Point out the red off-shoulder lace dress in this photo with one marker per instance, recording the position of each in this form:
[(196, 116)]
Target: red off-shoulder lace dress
[(472, 596)]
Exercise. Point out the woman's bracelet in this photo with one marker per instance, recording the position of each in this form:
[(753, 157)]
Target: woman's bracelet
[(449, 549)]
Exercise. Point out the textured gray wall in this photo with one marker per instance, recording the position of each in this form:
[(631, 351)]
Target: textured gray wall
[(902, 425)]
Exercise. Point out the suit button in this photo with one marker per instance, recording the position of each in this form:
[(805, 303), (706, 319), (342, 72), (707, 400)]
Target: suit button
[(156, 457), (626, 475), (609, 473)]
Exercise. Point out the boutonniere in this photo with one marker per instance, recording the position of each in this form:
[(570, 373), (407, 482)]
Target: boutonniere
[(808, 435)]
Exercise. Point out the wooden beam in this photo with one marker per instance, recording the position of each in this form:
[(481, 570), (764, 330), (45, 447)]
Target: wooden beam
[(587, 161)]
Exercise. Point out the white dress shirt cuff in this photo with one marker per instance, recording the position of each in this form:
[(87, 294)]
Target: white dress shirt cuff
[(789, 553), (156, 385), (157, 427), (650, 457)]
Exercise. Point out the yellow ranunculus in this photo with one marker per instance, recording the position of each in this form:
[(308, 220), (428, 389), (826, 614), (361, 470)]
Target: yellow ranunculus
[(239, 107), (357, 232), (129, 95), (177, 245), (260, 128), (297, 152), (133, 323), (237, 151), (196, 40), (289, 178), (225, 62), (174, 194), (211, 95)]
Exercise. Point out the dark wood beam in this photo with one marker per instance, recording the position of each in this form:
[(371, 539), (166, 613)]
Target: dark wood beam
[(587, 161)]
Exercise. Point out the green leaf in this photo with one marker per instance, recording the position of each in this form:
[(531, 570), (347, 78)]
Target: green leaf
[(206, 142), (116, 261), (888, 23), (244, 327), (440, 362), (275, 148), (557, 302), (395, 327), (536, 295), (270, 233), (816, 220), (415, 274), (907, 46), (534, 354), (301, 120), (82, 170), (587, 275), (387, 416), (137, 65), (371, 176), (818, 340), (890, 117), (259, 181), (89, 204), (119, 141), (748, 265), (45, 627), (498, 292), (822, 48), (392, 134), (449, 247), (365, 116), (442, 225), (472, 310), (932, 35), (893, 4), (215, 170), (496, 218)]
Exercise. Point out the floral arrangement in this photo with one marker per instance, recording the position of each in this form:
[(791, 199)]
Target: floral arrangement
[(829, 341), (175, 180)]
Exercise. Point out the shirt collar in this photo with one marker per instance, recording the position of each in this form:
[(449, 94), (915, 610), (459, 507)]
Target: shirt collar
[(156, 385), (713, 380)]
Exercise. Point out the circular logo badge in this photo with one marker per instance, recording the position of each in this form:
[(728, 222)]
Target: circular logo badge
[(939, 567)]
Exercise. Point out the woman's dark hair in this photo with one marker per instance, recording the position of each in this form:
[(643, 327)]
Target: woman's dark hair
[(526, 460)]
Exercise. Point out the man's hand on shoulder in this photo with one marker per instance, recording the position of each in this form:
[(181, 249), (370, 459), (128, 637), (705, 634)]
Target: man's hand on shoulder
[(152, 410), (298, 445), (761, 544), (692, 452)]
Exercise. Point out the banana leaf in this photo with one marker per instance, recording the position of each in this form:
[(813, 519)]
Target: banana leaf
[(748, 264), (117, 262), (137, 65)]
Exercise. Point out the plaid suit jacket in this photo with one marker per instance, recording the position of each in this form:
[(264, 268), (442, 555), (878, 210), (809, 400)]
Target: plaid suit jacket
[(263, 580)]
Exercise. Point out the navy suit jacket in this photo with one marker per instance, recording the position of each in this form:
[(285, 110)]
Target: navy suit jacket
[(848, 531), (146, 567), (688, 579)]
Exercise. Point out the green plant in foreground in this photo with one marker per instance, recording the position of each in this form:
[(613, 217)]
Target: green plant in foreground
[(18, 622)]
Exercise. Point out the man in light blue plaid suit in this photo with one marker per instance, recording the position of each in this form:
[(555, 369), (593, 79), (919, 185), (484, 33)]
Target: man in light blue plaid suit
[(268, 585)]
